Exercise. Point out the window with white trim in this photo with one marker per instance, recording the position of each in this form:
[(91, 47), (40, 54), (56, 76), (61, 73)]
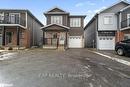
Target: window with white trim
[(108, 20), (14, 18), (1, 16), (128, 19), (75, 22), (56, 20)]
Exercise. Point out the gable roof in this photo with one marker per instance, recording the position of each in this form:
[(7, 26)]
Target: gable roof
[(122, 1), (55, 25), (56, 10), (34, 17), (125, 8)]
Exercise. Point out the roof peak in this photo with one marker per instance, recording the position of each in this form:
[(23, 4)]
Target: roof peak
[(124, 1), (58, 9)]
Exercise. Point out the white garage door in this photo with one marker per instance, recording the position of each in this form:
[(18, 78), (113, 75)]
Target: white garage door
[(75, 42), (106, 43)]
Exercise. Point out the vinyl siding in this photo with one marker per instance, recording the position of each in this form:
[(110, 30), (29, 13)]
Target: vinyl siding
[(64, 19), (90, 34), (77, 31), (107, 27), (35, 31), (111, 11), (124, 14), (115, 9)]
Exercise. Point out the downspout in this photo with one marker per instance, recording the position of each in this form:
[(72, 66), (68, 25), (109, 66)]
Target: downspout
[(120, 18), (33, 32), (97, 33)]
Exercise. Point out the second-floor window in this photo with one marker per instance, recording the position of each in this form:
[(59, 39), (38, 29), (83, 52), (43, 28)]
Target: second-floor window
[(75, 22), (128, 19), (14, 18), (108, 20), (1, 16), (56, 20)]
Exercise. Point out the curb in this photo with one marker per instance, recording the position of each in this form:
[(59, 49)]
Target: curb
[(112, 58)]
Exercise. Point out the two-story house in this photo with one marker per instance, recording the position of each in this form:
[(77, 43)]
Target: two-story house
[(63, 30), (124, 24), (19, 28), (102, 31)]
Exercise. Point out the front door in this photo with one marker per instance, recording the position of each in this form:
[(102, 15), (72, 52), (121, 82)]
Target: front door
[(62, 38), (9, 36)]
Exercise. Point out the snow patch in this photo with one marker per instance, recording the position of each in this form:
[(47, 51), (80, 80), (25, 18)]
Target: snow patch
[(6, 56)]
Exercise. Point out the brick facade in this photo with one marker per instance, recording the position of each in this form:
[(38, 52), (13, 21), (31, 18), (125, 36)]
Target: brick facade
[(120, 35), (24, 37)]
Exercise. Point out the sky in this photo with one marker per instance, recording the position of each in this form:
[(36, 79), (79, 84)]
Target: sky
[(75, 7)]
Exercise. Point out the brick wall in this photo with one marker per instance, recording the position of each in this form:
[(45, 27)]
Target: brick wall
[(24, 40), (120, 35)]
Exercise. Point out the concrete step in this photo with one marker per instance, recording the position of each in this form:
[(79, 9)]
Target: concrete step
[(61, 48), (49, 47), (14, 48)]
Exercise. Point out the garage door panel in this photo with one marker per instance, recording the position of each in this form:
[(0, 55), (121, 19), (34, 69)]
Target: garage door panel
[(106, 43), (75, 42)]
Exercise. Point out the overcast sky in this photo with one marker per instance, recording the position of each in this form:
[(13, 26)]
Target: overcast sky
[(75, 7)]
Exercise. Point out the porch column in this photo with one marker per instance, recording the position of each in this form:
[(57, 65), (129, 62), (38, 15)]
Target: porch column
[(3, 36), (18, 36), (120, 25), (66, 39)]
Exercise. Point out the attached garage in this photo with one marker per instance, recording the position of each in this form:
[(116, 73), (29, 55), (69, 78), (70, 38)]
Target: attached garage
[(106, 43), (75, 42)]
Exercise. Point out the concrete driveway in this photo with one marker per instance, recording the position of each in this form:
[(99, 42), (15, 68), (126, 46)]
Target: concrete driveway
[(71, 68)]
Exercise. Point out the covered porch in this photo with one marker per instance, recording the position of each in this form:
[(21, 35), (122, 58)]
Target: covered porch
[(13, 36), (55, 36)]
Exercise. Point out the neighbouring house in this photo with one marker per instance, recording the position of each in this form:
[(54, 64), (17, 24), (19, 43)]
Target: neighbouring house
[(108, 27), (124, 26), (63, 30), (19, 28)]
